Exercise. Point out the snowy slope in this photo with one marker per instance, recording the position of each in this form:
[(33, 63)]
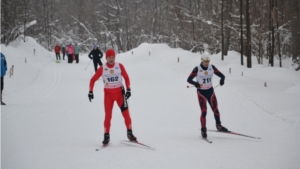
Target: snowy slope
[(49, 123)]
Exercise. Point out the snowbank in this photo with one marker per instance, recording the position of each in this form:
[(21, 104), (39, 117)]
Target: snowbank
[(49, 123)]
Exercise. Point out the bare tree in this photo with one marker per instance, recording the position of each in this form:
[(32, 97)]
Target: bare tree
[(222, 29), (242, 39), (228, 27), (248, 46)]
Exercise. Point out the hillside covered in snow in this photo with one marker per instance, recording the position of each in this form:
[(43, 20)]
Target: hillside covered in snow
[(49, 122)]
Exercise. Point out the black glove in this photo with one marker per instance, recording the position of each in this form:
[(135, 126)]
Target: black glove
[(222, 82), (197, 85), (128, 94), (91, 96)]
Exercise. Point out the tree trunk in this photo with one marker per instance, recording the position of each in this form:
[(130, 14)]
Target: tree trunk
[(270, 30), (295, 26), (118, 31), (273, 34), (242, 39), (227, 29), (278, 35), (153, 21), (248, 48), (126, 26), (108, 23), (222, 31), (25, 18)]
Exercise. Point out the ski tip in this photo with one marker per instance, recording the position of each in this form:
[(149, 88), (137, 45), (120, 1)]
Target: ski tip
[(205, 139)]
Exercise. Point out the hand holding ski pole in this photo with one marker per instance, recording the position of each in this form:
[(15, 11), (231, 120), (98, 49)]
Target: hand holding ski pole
[(222, 82)]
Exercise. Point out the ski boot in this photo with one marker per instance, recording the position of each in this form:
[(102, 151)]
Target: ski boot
[(203, 132), (130, 136), (106, 139), (221, 128)]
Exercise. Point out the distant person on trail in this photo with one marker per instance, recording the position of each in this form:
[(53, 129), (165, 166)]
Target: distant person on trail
[(205, 91), (63, 51), (97, 55), (70, 51), (3, 72), (76, 52), (112, 73), (57, 51)]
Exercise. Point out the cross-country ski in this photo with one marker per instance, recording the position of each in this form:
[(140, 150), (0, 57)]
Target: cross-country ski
[(138, 143), (234, 133)]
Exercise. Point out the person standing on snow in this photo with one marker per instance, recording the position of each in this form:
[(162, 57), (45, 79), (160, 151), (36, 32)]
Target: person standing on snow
[(57, 51), (112, 73), (63, 51), (70, 51), (205, 91), (3, 72), (76, 52), (97, 55)]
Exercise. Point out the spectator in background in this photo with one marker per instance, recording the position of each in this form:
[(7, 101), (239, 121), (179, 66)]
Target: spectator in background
[(76, 52), (63, 51), (57, 51), (3, 72), (97, 55), (70, 51)]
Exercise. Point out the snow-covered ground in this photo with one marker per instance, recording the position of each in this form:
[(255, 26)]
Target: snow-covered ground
[(49, 123)]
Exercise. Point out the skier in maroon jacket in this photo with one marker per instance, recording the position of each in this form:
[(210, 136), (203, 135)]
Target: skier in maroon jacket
[(205, 91)]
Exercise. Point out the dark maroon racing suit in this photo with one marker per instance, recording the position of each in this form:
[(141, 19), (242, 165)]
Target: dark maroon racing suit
[(207, 95)]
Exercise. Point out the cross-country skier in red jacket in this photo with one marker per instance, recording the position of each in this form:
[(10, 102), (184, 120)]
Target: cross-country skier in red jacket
[(112, 73)]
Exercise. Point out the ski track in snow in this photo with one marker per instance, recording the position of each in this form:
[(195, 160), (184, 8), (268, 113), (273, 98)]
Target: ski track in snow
[(51, 124), (38, 95)]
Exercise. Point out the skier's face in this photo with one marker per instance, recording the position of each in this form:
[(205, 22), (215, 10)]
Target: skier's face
[(110, 59), (205, 63)]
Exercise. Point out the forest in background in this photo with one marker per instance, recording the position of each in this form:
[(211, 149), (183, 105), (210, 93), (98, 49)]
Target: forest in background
[(263, 28)]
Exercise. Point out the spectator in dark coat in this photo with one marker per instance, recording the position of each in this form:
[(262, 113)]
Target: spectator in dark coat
[(96, 55)]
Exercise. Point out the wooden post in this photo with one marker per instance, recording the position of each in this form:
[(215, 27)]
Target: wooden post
[(132, 52), (25, 60), (11, 71), (230, 70), (149, 53), (33, 52), (242, 73), (178, 59), (265, 84)]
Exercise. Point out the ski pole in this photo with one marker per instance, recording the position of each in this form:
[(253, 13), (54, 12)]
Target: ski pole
[(88, 64), (217, 86), (190, 86)]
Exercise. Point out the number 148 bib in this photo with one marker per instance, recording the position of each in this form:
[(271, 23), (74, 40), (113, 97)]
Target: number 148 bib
[(112, 77)]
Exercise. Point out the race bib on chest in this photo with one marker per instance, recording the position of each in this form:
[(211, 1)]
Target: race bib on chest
[(204, 77), (112, 77)]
